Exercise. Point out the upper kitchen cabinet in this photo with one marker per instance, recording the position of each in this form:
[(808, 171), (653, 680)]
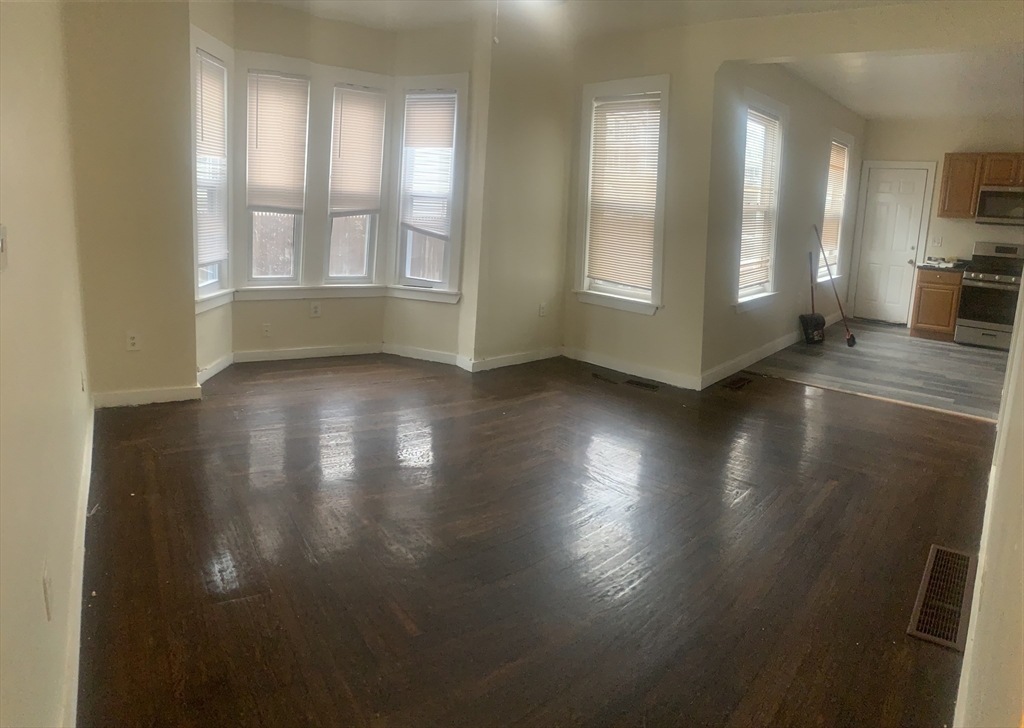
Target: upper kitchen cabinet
[(961, 179), (1002, 170)]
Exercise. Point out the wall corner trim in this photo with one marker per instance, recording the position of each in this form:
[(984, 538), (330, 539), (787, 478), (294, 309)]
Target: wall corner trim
[(305, 352), (741, 362), (69, 703), (508, 360), (216, 368), (415, 352), (131, 397)]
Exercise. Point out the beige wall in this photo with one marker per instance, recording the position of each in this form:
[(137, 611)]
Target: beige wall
[(342, 322), (729, 333), (215, 17), (426, 325), (992, 678), (670, 342), (45, 414), (526, 185), (928, 140), (213, 336), (128, 75)]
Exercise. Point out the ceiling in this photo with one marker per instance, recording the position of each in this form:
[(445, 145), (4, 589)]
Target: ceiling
[(885, 85), (588, 17)]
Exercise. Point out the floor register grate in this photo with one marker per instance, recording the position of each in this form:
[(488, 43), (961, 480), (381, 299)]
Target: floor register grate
[(943, 606)]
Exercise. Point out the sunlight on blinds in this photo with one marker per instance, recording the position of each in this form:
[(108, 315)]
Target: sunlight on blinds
[(623, 190), (276, 144), (357, 148), (427, 163), (835, 203), (211, 160), (760, 203)]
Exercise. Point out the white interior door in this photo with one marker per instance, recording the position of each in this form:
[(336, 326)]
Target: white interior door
[(894, 208)]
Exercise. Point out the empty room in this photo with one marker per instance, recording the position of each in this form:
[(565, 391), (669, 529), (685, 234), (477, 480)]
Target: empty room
[(512, 362)]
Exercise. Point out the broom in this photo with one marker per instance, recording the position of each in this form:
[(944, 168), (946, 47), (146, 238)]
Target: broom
[(851, 340)]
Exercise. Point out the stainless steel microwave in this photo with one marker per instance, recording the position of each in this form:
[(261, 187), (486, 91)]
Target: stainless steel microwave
[(1000, 206)]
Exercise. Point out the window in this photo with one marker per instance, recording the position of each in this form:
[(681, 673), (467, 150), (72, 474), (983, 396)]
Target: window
[(835, 204), (622, 209), (278, 111), (762, 161), (357, 149), (211, 170), (427, 189)]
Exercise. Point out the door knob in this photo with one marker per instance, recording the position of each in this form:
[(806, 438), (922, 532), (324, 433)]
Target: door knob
[(910, 262)]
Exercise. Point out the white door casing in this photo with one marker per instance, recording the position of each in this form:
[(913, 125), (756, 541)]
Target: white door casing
[(893, 227)]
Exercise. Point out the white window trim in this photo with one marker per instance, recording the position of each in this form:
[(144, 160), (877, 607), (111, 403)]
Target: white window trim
[(838, 135), (759, 101), (216, 300), (586, 292), (287, 293), (200, 40), (449, 286)]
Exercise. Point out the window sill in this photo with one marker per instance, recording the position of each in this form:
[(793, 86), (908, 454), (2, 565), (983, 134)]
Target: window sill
[(424, 294), (748, 304), (824, 280), (623, 304), (214, 300), (292, 293)]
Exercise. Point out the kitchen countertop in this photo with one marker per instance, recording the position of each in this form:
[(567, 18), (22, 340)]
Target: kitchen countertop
[(958, 267)]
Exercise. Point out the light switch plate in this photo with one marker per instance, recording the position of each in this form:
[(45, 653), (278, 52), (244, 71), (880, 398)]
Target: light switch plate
[(3, 247)]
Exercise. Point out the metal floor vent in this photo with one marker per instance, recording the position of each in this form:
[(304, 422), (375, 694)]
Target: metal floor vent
[(943, 605), (736, 383), (649, 386)]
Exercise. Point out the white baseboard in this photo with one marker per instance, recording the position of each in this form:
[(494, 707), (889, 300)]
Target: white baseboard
[(508, 360), (306, 352), (676, 379), (216, 368), (414, 352), (128, 397), (69, 702), (744, 360)]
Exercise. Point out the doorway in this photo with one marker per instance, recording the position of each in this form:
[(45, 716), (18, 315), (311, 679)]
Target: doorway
[(895, 200)]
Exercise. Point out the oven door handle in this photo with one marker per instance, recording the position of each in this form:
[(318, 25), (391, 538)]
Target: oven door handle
[(997, 286)]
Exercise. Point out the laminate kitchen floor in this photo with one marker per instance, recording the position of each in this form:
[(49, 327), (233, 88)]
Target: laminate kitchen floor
[(889, 363), (376, 541)]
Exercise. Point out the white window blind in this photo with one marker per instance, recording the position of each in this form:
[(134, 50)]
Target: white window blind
[(623, 190), (211, 160), (276, 146), (427, 160), (835, 203), (357, 149), (760, 202)]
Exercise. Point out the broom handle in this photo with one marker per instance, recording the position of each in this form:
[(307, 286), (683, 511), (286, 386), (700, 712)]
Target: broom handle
[(810, 267), (831, 279)]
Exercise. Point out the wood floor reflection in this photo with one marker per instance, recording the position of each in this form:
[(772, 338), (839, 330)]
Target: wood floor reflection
[(383, 542)]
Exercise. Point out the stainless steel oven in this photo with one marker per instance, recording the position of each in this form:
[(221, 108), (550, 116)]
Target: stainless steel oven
[(988, 298)]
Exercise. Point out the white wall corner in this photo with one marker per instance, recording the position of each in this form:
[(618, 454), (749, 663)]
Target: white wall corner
[(69, 702), (132, 397), (675, 379), (216, 368), (741, 362)]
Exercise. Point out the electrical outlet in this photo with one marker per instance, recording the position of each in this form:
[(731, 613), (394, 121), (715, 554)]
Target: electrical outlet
[(314, 309), (542, 310), (937, 241), (266, 331), (132, 341)]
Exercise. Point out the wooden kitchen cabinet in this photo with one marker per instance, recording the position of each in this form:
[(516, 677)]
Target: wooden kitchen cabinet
[(961, 179), (1002, 170), (936, 300)]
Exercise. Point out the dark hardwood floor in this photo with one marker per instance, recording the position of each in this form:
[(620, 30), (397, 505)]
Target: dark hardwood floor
[(383, 542)]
